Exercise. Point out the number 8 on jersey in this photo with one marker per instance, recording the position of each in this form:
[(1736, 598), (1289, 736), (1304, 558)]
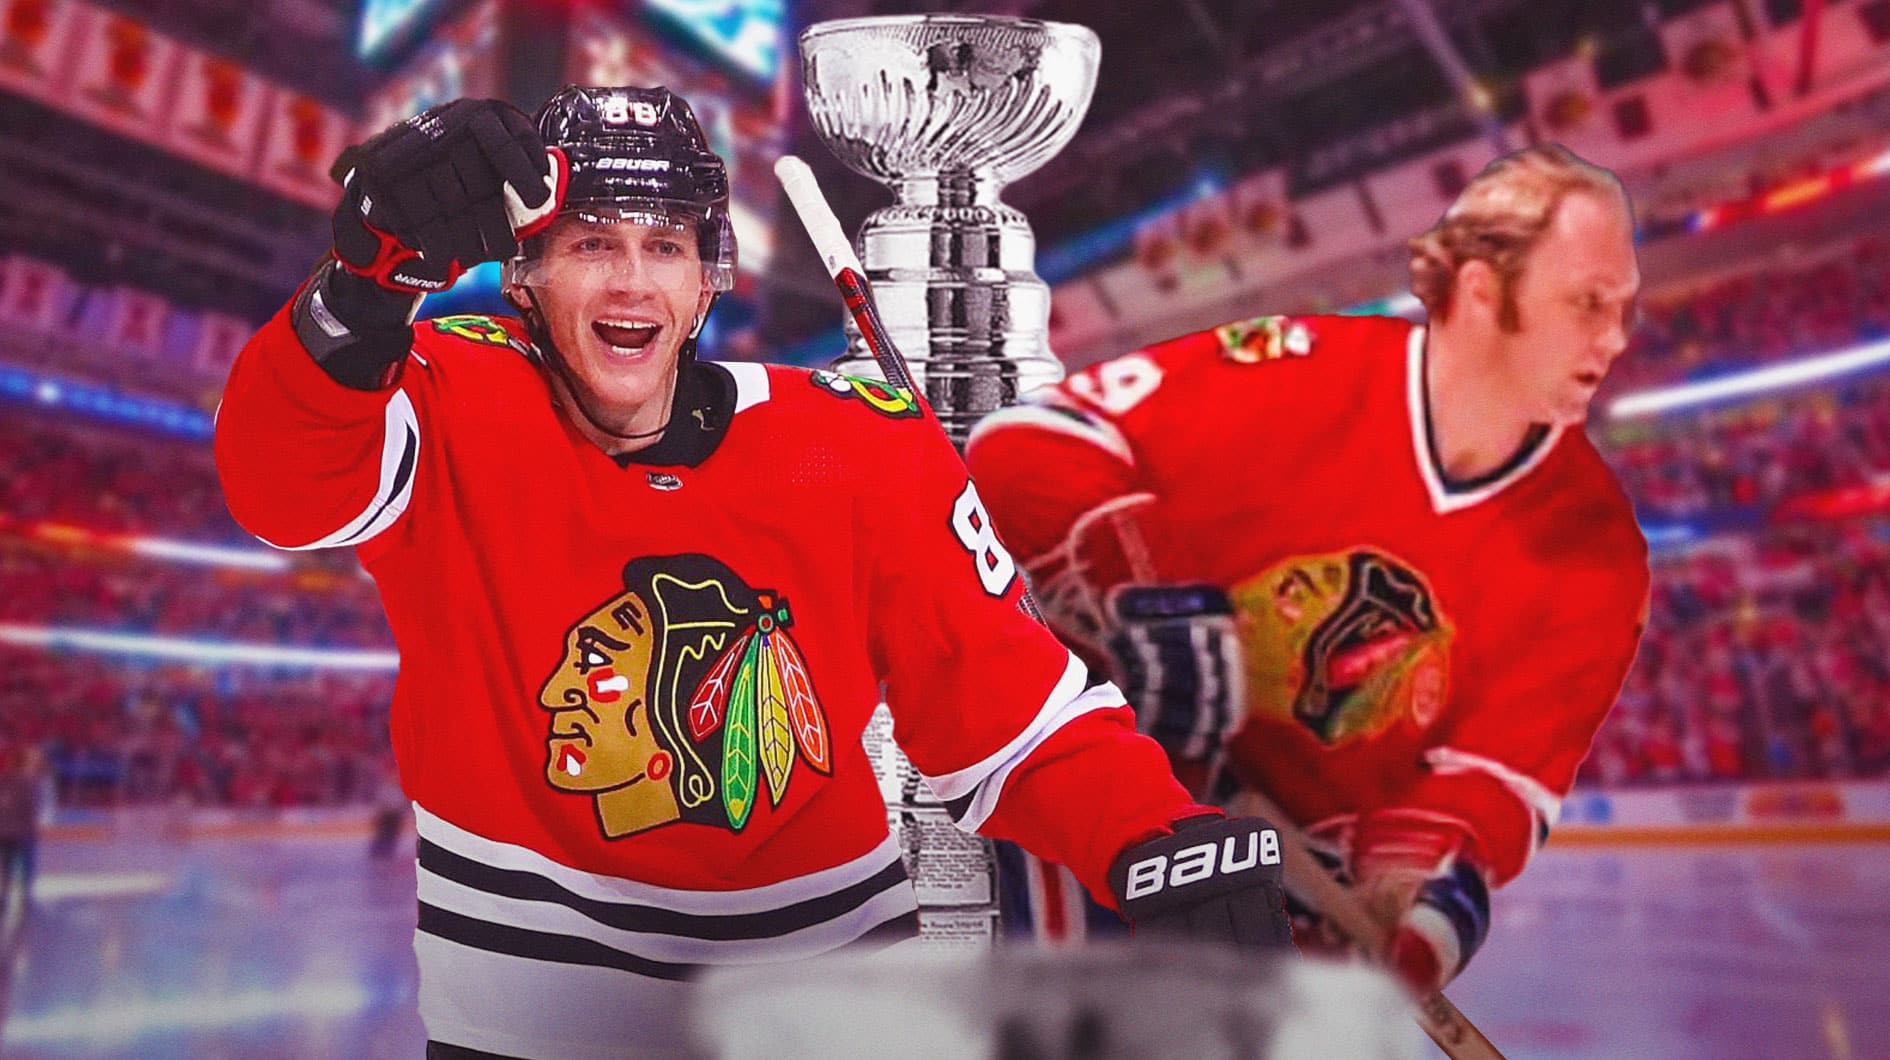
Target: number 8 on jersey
[(972, 524)]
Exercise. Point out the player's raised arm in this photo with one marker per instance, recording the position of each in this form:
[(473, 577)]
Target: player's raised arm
[(318, 436)]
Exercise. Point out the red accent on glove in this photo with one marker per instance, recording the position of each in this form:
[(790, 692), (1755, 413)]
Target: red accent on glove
[(1415, 962)]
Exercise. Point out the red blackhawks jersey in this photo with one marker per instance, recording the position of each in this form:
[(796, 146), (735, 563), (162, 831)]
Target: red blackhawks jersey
[(1444, 649), (631, 695)]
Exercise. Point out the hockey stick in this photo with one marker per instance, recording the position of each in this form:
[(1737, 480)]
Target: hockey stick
[(1308, 879), (836, 251)]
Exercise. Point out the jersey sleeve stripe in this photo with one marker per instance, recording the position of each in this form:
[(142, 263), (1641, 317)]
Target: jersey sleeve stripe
[(971, 795), (1069, 423), (400, 456), (1544, 806)]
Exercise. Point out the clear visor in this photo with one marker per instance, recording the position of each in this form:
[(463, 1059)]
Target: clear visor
[(627, 247)]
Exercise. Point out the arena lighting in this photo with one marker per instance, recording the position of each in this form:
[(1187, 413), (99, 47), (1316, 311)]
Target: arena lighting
[(181, 649), (207, 555), (115, 1022), (103, 403), (63, 886), (1794, 194), (157, 547), (1751, 383)]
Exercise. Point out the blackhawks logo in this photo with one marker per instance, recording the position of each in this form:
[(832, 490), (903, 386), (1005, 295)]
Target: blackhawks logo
[(887, 400), (475, 328), (681, 699), (1346, 643), (1264, 339)]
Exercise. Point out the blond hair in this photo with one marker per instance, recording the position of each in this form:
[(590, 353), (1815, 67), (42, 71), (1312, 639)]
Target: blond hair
[(1499, 217)]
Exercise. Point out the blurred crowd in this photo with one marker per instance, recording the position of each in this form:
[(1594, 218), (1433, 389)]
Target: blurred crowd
[(1754, 318), (115, 733), (1767, 653), (1751, 457)]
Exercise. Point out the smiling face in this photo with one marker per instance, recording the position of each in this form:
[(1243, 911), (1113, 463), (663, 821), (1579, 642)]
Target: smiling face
[(620, 295), (1574, 308), (602, 740)]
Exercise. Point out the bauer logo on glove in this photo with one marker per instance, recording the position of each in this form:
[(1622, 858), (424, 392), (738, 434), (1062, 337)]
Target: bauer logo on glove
[(1214, 879)]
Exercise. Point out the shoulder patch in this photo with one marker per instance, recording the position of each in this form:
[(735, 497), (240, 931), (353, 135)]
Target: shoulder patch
[(895, 402), (474, 327), (1265, 339)]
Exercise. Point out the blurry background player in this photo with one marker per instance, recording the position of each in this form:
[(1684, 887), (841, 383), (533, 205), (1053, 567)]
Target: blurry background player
[(645, 603), (1383, 560)]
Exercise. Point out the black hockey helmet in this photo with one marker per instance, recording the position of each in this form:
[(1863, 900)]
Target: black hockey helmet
[(636, 153)]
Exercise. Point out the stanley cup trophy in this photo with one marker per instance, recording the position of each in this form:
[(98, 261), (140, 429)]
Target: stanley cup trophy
[(945, 110)]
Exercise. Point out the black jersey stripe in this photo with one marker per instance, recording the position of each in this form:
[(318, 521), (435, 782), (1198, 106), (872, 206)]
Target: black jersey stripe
[(627, 916), (409, 455), (542, 945)]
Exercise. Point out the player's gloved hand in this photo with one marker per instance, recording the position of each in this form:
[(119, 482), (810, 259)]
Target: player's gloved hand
[(450, 187), (1215, 879), (1179, 655), (1419, 878)]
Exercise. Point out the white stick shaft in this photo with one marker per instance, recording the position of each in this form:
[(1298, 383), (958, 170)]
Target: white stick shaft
[(803, 193)]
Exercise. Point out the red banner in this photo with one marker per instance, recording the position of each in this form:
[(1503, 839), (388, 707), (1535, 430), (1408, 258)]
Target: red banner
[(36, 42), (303, 139), (136, 322), (123, 75), (33, 293), (218, 113)]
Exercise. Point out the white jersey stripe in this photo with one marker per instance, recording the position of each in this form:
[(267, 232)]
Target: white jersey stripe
[(956, 785), (603, 888), (556, 919), (400, 463), (1087, 429)]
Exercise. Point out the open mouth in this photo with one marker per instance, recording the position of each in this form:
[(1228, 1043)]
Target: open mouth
[(626, 336), (1588, 379)]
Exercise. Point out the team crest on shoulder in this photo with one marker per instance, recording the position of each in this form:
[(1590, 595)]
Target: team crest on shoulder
[(683, 698), (882, 398), (1265, 339), (483, 329)]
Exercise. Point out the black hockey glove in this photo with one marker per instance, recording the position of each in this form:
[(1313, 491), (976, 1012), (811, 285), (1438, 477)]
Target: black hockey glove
[(1216, 879), (1180, 661), (446, 189)]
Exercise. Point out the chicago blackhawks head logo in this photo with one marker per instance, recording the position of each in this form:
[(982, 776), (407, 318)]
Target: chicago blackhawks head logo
[(679, 698), (1347, 643)]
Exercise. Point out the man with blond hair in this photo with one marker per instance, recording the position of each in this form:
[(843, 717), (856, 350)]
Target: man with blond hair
[(1371, 569)]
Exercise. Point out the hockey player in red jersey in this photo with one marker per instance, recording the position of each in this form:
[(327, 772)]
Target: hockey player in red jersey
[(1382, 560), (645, 604)]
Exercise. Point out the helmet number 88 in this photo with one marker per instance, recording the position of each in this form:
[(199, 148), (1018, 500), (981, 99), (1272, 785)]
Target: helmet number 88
[(972, 524)]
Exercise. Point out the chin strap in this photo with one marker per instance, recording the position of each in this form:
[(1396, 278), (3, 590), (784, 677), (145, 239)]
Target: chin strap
[(534, 319)]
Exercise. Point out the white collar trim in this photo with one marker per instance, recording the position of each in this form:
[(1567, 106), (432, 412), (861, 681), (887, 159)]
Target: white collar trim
[(751, 382), (1445, 500)]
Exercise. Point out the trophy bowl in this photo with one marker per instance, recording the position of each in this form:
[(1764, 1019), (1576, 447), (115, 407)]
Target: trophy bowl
[(944, 110), (914, 97)]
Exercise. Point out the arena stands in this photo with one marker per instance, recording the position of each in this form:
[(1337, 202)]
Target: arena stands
[(1767, 653)]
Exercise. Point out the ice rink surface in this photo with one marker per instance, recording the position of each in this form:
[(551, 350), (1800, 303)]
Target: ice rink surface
[(261, 947)]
